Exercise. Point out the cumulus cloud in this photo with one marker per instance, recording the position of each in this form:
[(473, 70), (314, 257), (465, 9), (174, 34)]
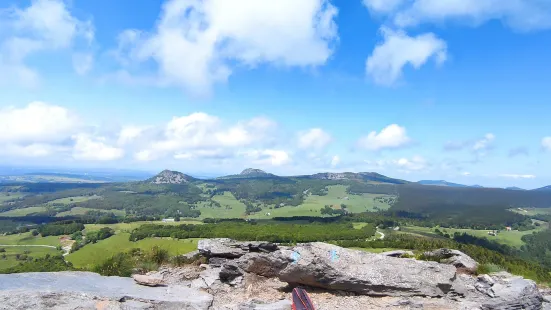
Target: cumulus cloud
[(383, 6), (315, 138), (32, 150), (196, 44), (83, 63), (95, 149), (391, 137), (335, 161), (522, 15), (198, 135), (45, 25), (36, 122), (385, 65), (484, 143), (268, 157), (416, 163), (546, 143), (130, 133), (518, 176)]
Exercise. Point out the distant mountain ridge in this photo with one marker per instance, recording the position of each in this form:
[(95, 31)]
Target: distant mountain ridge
[(250, 173), (360, 176), (545, 188), (441, 183), (514, 188), (170, 177), (446, 183)]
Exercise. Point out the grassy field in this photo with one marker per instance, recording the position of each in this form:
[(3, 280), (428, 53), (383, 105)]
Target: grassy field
[(9, 196), (512, 238), (11, 252), (231, 207), (23, 211), (28, 239), (82, 211), (93, 253), (335, 197), (532, 211), (74, 199)]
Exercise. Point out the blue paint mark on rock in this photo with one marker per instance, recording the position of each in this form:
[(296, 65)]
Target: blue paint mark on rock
[(333, 255), (295, 256)]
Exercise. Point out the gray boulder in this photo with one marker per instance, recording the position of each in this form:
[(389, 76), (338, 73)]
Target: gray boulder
[(87, 290), (267, 265), (453, 257), (332, 267), (510, 292), (229, 272), (217, 261), (147, 280), (228, 248)]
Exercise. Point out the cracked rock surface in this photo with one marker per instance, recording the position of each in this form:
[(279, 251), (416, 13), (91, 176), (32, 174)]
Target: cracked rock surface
[(261, 275)]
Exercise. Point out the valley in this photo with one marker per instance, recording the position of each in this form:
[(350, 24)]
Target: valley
[(171, 211)]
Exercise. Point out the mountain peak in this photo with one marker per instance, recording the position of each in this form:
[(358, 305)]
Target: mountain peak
[(170, 177), (252, 171)]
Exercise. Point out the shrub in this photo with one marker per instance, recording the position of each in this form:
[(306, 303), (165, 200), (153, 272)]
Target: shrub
[(489, 268), (158, 255), (118, 265)]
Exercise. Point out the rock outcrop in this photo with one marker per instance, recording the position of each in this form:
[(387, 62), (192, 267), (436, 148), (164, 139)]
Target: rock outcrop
[(259, 275), (58, 290), (453, 257), (331, 267), (170, 177), (227, 248)]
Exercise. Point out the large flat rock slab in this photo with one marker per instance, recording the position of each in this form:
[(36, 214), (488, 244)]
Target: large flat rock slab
[(91, 286), (332, 267)]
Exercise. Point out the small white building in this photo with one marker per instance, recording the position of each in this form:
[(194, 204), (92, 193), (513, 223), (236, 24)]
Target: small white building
[(168, 220)]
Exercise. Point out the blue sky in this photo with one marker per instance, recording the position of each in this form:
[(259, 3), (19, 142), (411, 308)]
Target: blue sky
[(416, 89)]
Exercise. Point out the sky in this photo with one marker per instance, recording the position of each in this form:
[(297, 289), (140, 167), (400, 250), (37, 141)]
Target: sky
[(415, 89)]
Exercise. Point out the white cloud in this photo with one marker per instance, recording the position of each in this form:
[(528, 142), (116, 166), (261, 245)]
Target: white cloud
[(383, 6), (268, 157), (391, 137), (386, 63), (546, 143), (203, 154), (95, 149), (335, 161), (466, 173), (83, 63), (416, 163), (196, 43), (518, 176), (315, 138), (518, 14), (36, 122), (32, 150), (45, 25), (197, 134), (484, 143), (128, 134), (404, 164)]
